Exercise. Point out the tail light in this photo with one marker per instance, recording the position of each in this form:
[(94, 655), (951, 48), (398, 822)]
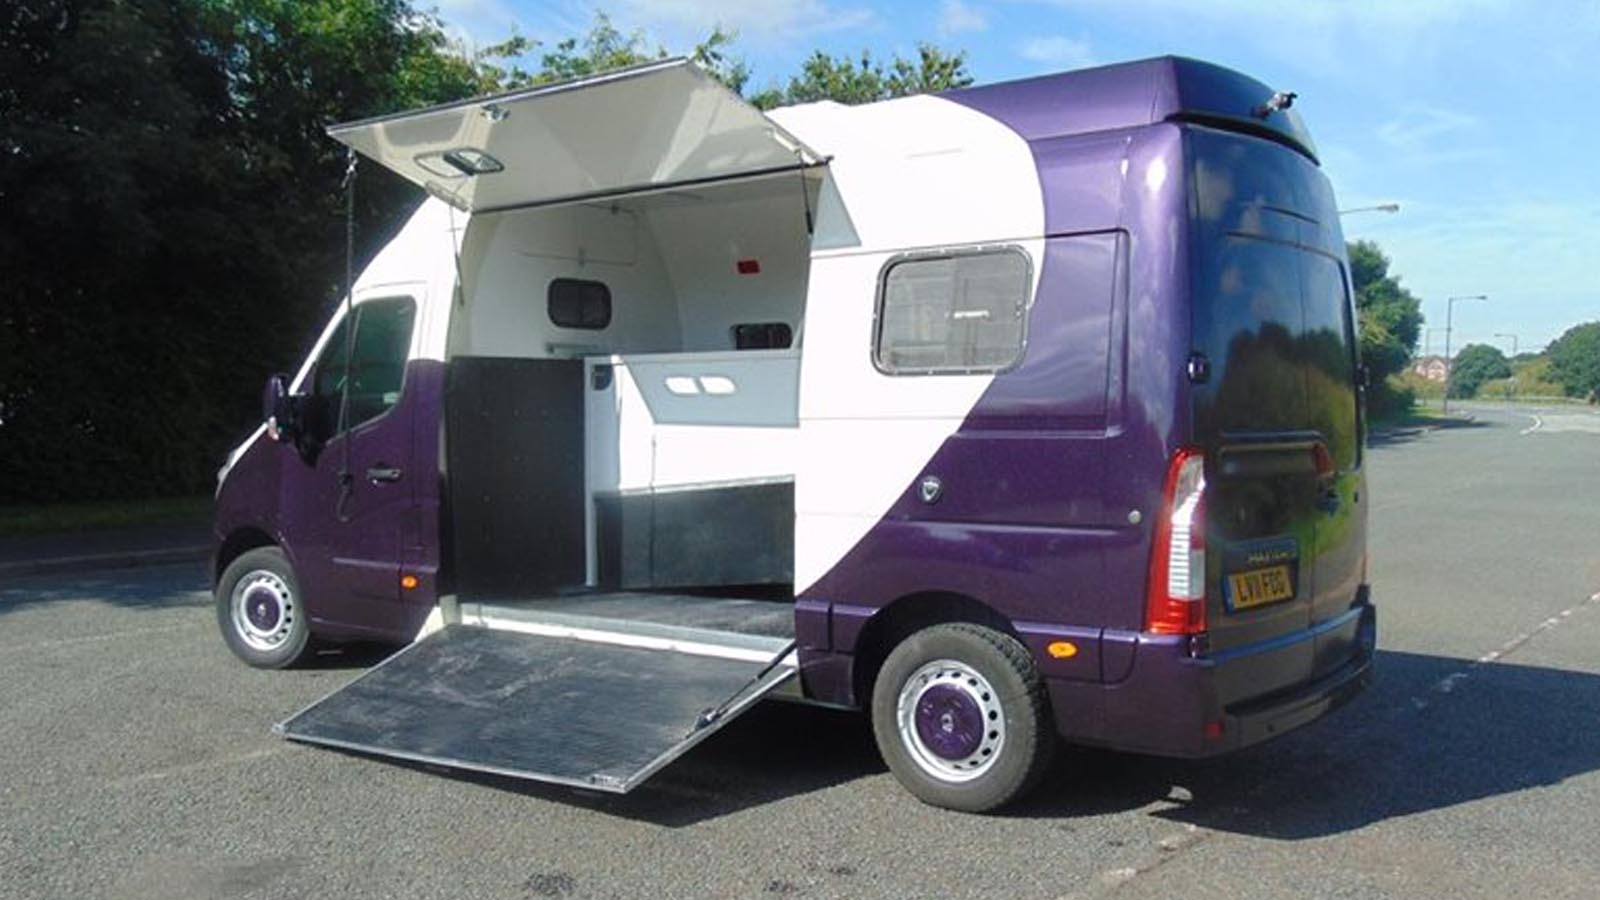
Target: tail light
[(1176, 602)]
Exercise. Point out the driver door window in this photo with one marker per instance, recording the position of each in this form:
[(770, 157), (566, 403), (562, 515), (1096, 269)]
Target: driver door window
[(377, 366)]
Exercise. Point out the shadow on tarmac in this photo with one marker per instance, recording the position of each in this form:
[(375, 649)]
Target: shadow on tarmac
[(1405, 747)]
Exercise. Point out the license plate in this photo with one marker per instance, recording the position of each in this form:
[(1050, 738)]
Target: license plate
[(1259, 587)]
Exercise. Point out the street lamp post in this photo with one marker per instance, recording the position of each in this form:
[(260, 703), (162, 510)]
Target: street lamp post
[(1427, 340), (1381, 207), (1449, 364)]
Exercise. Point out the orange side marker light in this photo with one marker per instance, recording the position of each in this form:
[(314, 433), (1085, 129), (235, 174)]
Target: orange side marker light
[(1062, 649)]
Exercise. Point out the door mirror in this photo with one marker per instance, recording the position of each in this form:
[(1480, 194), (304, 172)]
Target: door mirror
[(280, 409)]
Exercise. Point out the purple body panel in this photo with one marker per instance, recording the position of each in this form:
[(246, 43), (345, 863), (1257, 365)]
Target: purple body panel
[(349, 569)]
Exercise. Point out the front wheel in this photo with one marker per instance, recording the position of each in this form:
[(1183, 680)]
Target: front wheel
[(961, 717), (260, 611)]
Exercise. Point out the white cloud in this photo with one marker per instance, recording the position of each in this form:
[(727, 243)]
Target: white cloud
[(957, 16), (1058, 51), (1432, 135), (760, 21)]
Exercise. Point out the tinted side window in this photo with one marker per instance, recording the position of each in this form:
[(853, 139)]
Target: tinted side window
[(377, 361), (959, 313), (573, 303)]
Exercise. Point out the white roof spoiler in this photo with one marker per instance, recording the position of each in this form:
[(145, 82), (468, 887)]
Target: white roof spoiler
[(658, 125)]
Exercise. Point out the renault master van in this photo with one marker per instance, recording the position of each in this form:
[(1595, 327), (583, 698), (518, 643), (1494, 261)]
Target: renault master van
[(1013, 415)]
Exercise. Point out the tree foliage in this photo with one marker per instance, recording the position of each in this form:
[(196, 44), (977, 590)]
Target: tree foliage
[(1575, 360), (1390, 323), (866, 80), (1475, 366)]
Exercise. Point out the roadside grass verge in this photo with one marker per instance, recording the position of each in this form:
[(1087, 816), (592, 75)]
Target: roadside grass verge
[(69, 517)]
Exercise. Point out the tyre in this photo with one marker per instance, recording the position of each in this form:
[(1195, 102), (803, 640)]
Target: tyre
[(260, 612), (961, 717)]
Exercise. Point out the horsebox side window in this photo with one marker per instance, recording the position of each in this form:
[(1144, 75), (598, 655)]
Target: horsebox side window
[(954, 313), (575, 303)]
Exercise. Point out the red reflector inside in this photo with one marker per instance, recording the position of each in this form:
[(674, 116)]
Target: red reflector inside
[(748, 266), (1214, 730)]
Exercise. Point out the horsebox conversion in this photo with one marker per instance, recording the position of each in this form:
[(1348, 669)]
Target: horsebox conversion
[(1012, 414)]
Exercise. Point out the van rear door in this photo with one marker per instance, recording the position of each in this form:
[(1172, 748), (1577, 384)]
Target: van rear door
[(655, 125), (1278, 414)]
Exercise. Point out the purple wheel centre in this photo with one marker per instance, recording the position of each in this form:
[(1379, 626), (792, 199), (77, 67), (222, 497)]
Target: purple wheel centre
[(262, 608), (949, 722)]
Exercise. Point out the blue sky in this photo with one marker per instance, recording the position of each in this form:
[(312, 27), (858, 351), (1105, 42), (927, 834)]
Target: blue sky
[(1481, 118)]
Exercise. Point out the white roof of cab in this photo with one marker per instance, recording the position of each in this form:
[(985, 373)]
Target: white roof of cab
[(656, 125)]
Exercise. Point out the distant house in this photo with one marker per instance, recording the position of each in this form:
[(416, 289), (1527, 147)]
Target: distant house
[(1432, 368)]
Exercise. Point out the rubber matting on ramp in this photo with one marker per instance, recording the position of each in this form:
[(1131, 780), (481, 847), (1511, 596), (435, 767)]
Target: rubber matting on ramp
[(550, 709)]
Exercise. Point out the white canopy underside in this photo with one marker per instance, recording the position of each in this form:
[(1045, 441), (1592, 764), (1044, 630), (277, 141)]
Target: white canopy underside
[(657, 125)]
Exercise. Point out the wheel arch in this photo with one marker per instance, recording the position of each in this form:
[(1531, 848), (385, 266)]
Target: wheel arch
[(906, 615), (238, 542)]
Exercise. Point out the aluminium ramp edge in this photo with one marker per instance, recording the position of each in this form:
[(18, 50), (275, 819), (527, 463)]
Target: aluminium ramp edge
[(603, 716)]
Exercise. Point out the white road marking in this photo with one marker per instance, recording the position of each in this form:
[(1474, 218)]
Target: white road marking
[(1448, 683), (1538, 423)]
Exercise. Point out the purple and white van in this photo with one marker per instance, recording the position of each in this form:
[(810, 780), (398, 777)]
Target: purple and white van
[(1013, 414)]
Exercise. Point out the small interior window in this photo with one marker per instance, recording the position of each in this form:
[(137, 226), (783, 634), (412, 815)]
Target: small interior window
[(575, 303), (762, 336)]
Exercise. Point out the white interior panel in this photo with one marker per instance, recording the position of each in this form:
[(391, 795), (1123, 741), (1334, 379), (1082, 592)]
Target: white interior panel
[(670, 259), (643, 436), (509, 260)]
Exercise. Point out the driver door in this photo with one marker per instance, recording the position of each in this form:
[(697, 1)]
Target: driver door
[(346, 487)]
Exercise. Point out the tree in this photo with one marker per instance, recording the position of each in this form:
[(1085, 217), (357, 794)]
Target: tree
[(866, 80), (1575, 360), (172, 220), (1474, 366), (602, 49), (1390, 322)]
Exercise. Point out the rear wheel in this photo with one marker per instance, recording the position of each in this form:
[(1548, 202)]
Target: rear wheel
[(961, 717), (260, 612)]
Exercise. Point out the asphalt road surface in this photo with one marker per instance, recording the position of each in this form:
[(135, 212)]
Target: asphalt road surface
[(136, 760)]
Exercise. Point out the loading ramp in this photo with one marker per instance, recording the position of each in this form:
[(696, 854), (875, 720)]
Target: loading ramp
[(551, 697)]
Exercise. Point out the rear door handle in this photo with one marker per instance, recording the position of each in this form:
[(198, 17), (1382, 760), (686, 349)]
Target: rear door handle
[(381, 474)]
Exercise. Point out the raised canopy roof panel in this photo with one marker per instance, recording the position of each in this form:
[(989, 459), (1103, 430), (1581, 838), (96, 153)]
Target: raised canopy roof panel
[(656, 125), (1169, 88)]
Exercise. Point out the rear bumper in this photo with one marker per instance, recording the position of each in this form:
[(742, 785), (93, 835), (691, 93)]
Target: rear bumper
[(1173, 703)]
